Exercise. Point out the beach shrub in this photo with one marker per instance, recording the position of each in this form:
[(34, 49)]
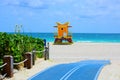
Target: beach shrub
[(17, 44)]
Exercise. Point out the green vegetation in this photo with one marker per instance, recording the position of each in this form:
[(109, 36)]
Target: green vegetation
[(17, 44)]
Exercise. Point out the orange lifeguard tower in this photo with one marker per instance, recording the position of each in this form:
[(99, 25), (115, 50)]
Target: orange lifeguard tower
[(62, 34)]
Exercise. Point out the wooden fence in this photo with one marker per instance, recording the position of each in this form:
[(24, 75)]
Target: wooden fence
[(29, 61)]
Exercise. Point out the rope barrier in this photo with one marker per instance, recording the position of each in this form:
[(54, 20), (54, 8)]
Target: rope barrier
[(3, 65), (39, 51), (4, 76), (20, 62)]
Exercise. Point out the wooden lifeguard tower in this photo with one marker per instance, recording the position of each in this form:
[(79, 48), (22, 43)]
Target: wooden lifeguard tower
[(63, 36)]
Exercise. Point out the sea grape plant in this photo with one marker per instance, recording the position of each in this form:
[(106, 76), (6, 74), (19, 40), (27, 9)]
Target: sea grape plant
[(17, 44)]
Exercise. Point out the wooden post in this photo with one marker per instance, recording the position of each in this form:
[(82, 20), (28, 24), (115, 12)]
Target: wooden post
[(8, 68), (45, 54), (29, 62), (48, 51), (33, 56), (44, 42)]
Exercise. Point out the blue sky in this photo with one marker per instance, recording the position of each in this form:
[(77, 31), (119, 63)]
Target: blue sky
[(85, 16)]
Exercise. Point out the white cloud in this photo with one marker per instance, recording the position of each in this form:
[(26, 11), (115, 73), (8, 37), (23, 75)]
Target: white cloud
[(84, 8), (25, 3), (36, 3), (94, 8)]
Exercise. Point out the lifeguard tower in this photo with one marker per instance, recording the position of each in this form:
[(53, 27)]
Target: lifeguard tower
[(62, 36)]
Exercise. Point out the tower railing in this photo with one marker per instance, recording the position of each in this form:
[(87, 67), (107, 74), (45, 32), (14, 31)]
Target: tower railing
[(69, 34)]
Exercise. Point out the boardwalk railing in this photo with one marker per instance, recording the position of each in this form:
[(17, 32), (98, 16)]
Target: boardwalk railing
[(3, 65), (7, 67), (20, 62), (45, 52), (29, 61), (3, 76)]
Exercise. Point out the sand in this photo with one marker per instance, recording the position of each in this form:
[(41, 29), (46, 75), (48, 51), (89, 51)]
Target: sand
[(77, 52), (24, 73)]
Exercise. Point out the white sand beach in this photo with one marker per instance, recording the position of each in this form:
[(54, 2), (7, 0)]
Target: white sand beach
[(77, 52)]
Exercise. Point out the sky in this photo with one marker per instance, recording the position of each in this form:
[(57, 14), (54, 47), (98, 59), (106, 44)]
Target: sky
[(85, 16)]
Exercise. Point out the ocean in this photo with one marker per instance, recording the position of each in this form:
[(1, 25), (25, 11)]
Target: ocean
[(82, 37)]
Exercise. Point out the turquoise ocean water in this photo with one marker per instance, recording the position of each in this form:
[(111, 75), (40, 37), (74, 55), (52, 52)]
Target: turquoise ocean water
[(82, 37)]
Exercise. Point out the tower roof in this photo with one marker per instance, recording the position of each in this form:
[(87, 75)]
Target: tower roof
[(66, 24)]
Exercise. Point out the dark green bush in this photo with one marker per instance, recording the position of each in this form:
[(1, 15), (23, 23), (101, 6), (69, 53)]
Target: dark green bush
[(17, 44)]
